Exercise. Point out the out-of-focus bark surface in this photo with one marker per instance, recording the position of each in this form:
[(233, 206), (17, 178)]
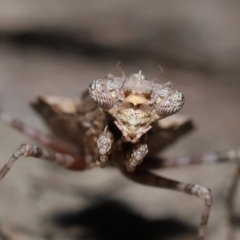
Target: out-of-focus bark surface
[(58, 48)]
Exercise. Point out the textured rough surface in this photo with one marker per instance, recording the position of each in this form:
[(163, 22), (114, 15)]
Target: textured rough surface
[(134, 103), (55, 48)]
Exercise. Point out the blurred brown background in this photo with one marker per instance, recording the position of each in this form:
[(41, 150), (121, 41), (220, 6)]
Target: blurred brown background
[(58, 48)]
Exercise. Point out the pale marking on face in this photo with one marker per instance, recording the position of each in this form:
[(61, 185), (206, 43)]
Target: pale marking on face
[(135, 103)]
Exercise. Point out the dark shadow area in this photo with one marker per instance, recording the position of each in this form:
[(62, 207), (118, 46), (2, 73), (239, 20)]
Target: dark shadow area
[(112, 220), (63, 42), (88, 47), (235, 221)]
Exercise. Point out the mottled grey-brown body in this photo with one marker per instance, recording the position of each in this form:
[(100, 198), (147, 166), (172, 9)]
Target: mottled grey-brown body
[(134, 103), (86, 133)]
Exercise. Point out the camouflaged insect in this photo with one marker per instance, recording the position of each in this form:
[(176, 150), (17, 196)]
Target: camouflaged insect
[(111, 121), (134, 103)]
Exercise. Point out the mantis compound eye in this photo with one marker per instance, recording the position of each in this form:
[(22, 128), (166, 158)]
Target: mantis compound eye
[(99, 93), (171, 104)]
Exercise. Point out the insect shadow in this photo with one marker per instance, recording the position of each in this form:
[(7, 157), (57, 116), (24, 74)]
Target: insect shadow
[(111, 219)]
